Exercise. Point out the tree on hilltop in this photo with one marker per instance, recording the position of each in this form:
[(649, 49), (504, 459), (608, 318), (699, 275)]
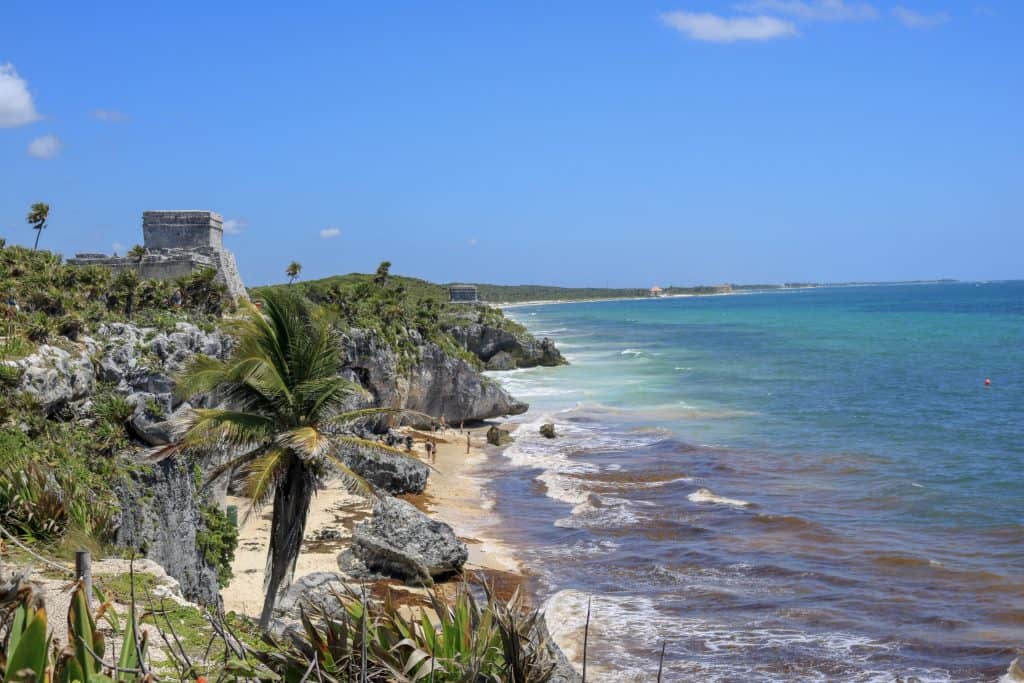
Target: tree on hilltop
[(292, 271), (37, 216), (383, 273)]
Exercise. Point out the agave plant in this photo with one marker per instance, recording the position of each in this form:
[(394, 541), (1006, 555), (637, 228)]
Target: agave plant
[(448, 640), (289, 418), (26, 656)]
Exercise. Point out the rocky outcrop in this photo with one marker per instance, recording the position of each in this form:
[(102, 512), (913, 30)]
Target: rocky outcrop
[(547, 430), (502, 349), (402, 542), (160, 518), (56, 378), (312, 593), (437, 384), (390, 472)]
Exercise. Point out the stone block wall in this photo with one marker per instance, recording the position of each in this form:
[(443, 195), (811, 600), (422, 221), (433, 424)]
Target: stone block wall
[(182, 229)]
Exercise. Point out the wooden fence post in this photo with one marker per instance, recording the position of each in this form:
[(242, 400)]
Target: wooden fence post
[(83, 571)]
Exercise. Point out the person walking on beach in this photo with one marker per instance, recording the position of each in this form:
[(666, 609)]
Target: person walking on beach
[(467, 443)]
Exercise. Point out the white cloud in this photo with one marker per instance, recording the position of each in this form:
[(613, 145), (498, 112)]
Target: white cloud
[(717, 29), (233, 226), (46, 147), (329, 233), (16, 105), (109, 115), (813, 10), (912, 19)]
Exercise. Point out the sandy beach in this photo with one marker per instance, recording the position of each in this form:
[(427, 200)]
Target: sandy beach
[(454, 495)]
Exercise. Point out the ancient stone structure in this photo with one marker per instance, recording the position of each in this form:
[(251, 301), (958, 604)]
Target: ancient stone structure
[(177, 243), (463, 294)]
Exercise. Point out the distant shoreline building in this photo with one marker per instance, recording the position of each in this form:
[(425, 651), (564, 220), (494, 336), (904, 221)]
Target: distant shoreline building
[(177, 243), (656, 291), (463, 294)]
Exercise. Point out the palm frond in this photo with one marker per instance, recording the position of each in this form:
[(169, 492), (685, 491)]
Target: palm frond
[(352, 481), (358, 443), (307, 442), (233, 464), (352, 417), (202, 374), (261, 476), (213, 427)]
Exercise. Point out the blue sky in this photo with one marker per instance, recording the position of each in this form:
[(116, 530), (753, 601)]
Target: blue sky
[(599, 143)]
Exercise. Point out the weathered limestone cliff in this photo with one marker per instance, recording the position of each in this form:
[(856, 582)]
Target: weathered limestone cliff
[(437, 385), (503, 349)]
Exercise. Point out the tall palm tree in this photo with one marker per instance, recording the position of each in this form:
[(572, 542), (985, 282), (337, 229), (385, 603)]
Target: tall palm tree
[(292, 271), (38, 213), (288, 419)]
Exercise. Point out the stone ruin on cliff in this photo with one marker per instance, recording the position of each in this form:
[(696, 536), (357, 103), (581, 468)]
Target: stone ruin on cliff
[(177, 243)]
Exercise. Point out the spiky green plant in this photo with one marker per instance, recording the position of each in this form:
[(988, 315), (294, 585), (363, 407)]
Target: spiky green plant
[(451, 640), (289, 418)]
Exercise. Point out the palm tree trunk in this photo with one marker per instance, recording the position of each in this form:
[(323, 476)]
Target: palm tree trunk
[(39, 231), (292, 498)]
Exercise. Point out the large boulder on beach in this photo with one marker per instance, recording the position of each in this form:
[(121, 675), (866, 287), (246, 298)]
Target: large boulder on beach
[(390, 472), (547, 430), (402, 542), (312, 593)]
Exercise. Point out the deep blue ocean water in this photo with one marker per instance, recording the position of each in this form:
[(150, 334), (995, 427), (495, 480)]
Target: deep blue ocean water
[(800, 485)]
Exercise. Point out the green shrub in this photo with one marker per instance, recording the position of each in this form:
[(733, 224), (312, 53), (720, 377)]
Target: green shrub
[(217, 540)]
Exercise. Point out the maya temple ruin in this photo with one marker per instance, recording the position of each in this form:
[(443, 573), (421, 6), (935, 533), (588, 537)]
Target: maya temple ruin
[(177, 243)]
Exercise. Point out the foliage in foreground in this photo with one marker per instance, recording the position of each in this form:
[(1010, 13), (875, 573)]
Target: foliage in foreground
[(27, 655), (456, 640), (450, 640)]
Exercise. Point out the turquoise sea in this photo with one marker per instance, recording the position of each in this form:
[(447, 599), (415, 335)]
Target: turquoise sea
[(800, 485)]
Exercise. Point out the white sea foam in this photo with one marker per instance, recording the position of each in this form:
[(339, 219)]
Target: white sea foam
[(705, 648), (636, 353), (565, 477), (709, 496)]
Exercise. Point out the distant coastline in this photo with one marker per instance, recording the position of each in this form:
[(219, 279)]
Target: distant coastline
[(734, 290)]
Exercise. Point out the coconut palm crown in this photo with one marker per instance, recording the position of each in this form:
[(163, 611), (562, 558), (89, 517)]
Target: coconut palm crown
[(288, 419)]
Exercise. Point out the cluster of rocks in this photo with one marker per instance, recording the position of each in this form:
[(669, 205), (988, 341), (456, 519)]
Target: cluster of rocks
[(501, 349)]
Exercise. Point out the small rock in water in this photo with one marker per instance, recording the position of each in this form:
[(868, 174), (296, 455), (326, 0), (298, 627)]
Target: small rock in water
[(498, 437), (547, 430)]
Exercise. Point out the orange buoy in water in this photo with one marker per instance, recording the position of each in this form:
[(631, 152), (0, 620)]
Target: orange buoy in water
[(988, 382)]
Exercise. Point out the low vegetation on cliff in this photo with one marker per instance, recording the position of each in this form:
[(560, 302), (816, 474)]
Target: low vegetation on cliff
[(43, 299)]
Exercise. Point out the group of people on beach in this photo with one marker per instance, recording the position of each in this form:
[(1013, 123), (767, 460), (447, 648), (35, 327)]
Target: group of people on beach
[(397, 440)]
